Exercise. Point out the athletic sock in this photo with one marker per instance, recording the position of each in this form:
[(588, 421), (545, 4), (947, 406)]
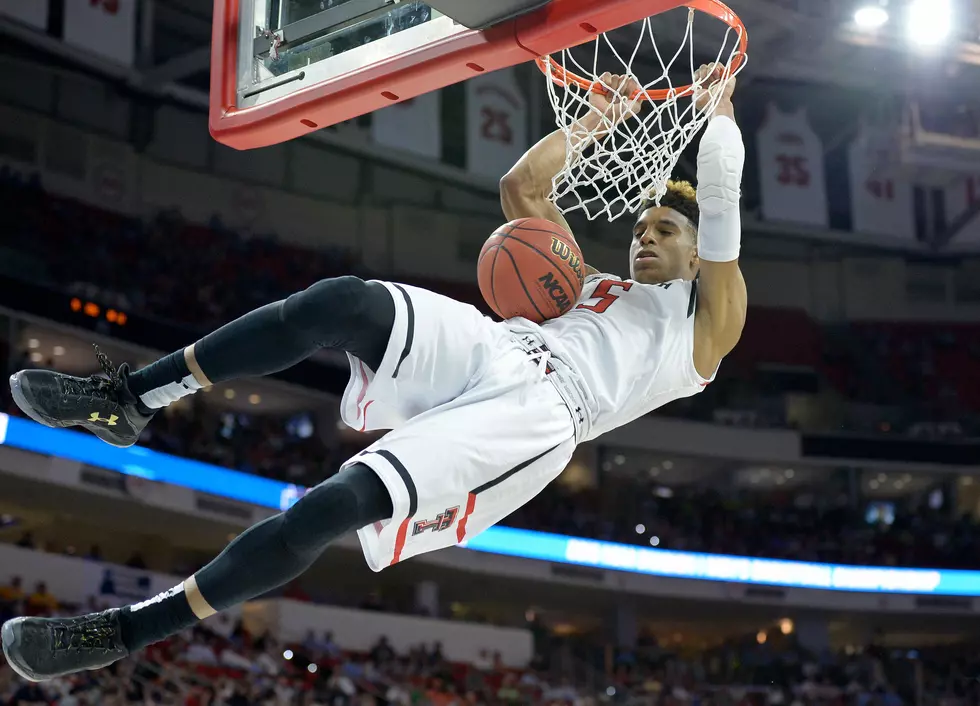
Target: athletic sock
[(155, 619), (162, 382)]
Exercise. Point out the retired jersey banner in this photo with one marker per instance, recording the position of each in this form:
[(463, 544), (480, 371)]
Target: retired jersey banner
[(413, 125), (962, 200), (791, 169), (33, 13), (103, 27), (882, 199), (496, 123)]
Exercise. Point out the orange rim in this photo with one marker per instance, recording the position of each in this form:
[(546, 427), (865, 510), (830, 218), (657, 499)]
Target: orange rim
[(715, 8)]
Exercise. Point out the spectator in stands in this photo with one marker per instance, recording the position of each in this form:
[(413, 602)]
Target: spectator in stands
[(381, 653), (11, 596), (41, 602)]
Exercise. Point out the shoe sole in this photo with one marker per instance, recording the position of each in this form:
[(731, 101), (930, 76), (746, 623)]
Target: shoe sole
[(20, 399), (11, 650)]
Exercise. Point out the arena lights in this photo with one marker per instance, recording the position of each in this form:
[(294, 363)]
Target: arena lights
[(871, 17), (929, 22), (95, 311)]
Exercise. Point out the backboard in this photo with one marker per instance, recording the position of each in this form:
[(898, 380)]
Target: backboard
[(281, 69)]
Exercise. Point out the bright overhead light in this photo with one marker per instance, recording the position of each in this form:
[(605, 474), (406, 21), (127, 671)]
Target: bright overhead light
[(930, 21), (870, 17)]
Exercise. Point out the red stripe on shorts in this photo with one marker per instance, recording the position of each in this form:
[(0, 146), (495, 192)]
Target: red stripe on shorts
[(364, 423), (400, 541), (461, 527)]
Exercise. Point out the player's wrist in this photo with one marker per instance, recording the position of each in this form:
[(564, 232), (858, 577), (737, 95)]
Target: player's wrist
[(724, 109)]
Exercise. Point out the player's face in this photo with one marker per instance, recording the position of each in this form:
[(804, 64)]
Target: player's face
[(663, 247)]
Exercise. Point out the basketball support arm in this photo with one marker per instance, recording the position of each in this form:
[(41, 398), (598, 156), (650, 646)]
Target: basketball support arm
[(481, 14), (722, 298)]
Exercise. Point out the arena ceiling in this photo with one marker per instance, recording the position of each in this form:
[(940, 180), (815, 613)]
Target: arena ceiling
[(805, 41), (800, 40)]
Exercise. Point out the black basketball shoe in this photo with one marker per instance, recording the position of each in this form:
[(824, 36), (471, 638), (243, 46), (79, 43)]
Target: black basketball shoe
[(44, 648), (102, 405)]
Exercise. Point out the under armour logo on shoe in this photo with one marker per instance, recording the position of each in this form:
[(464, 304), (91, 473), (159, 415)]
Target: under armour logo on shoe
[(110, 421)]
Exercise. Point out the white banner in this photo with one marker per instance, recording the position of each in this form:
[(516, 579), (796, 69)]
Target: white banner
[(963, 197), (413, 125), (31, 12), (791, 169), (882, 199), (103, 27), (496, 123)]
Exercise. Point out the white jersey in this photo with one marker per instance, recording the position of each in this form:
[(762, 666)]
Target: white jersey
[(631, 345)]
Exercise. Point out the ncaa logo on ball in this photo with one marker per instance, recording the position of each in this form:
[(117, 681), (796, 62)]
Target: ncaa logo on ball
[(555, 291)]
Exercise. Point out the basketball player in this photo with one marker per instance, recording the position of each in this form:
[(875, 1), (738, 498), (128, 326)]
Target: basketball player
[(483, 415)]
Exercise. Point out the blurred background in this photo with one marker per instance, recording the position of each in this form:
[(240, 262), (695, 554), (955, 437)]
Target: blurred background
[(844, 431)]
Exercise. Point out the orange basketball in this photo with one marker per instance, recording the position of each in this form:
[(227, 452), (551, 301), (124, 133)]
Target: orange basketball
[(531, 267)]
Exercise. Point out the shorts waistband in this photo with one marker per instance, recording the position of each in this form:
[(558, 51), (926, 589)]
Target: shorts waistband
[(562, 377)]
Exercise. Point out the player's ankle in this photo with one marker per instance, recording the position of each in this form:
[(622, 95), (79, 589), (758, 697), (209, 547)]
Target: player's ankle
[(161, 383)]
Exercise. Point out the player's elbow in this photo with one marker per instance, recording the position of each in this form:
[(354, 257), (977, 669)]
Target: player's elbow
[(513, 184), (517, 194)]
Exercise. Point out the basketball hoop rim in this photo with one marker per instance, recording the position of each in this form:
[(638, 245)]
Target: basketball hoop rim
[(714, 8)]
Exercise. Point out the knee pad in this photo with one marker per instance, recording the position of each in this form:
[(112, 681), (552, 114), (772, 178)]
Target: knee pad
[(346, 502), (340, 309)]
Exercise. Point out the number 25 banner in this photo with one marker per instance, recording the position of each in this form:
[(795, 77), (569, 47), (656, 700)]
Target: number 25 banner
[(791, 169), (496, 123)]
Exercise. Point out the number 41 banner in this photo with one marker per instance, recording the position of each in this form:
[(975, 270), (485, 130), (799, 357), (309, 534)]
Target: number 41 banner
[(496, 123), (882, 199), (791, 169)]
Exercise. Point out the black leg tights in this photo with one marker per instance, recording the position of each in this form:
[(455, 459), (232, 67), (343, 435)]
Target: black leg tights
[(269, 554), (345, 313)]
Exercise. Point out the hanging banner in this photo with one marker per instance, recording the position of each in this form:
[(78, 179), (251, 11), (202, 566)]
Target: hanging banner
[(882, 199), (103, 27), (496, 123), (791, 169), (412, 126), (962, 201), (33, 13)]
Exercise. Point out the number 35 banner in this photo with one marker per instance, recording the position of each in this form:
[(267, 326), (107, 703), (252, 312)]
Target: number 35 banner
[(791, 169), (496, 123)]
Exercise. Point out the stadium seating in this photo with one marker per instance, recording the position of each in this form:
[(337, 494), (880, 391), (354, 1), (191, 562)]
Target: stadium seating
[(202, 667)]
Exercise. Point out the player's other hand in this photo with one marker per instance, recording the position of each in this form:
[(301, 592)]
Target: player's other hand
[(619, 98), (712, 81)]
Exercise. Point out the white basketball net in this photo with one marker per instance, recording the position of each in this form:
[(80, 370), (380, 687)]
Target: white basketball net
[(615, 173)]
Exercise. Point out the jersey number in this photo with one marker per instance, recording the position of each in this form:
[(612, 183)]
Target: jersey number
[(605, 298), (496, 125), (793, 170)]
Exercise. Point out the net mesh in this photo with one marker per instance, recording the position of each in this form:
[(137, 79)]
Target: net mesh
[(614, 163)]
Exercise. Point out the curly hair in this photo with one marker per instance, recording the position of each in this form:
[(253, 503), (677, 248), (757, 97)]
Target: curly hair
[(682, 197)]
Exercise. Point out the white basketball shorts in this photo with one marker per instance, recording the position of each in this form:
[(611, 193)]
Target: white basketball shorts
[(477, 429)]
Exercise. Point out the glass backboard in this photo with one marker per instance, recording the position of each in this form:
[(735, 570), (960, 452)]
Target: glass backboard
[(284, 68)]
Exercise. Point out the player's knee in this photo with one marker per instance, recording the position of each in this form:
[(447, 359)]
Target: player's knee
[(334, 308), (322, 303), (341, 504)]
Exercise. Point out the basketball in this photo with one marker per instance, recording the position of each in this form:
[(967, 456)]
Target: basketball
[(531, 267)]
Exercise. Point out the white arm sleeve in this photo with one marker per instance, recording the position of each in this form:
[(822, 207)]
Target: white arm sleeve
[(721, 159)]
